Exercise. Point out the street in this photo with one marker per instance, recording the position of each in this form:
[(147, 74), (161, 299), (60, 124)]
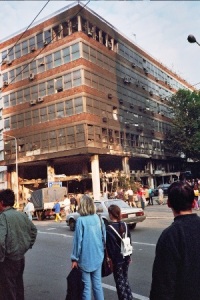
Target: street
[(48, 263)]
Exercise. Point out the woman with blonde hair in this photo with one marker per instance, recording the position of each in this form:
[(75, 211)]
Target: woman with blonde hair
[(88, 249)]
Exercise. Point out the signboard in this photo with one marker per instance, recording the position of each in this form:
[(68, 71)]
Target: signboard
[(54, 184)]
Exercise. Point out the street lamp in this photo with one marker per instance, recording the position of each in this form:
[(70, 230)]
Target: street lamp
[(192, 39), (16, 164)]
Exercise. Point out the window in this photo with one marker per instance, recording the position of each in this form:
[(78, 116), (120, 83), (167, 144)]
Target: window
[(60, 110), (35, 116), (42, 89), (12, 99), (66, 55), (24, 47), (11, 76), (33, 67), (77, 78), (7, 123), (43, 114), (17, 51), (31, 44), (11, 54), (6, 101), (47, 36), (25, 71), (49, 64), (69, 107), (27, 118), (50, 87), (52, 139), (58, 85), (41, 65), (78, 105), (67, 81), (20, 120), (51, 112), (75, 51), (61, 137), (18, 74), (27, 94), (57, 58), (34, 92), (19, 97), (39, 39)]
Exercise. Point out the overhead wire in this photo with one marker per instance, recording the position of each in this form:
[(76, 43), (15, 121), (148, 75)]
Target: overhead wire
[(24, 32), (44, 47)]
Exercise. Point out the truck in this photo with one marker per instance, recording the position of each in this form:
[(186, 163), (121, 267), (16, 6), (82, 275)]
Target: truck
[(44, 200)]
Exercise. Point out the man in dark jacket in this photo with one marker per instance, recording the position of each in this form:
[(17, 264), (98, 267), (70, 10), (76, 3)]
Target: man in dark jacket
[(176, 269), (17, 236)]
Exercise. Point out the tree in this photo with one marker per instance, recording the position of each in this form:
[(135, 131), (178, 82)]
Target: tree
[(184, 137)]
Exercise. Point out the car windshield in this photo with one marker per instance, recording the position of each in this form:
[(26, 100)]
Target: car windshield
[(119, 203)]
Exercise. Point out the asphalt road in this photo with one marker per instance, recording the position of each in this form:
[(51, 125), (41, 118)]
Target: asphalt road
[(48, 263)]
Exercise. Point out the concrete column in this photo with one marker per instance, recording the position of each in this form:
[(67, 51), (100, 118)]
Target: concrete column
[(125, 165), (50, 172), (95, 177), (151, 181), (79, 23)]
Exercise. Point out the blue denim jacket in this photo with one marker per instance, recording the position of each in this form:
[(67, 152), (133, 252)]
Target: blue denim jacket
[(88, 248)]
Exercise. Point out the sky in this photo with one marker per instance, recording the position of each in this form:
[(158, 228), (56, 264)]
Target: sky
[(160, 28)]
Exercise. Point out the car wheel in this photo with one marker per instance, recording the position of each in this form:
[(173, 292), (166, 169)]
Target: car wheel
[(72, 224), (132, 226)]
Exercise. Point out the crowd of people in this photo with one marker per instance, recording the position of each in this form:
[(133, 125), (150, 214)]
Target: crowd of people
[(176, 267)]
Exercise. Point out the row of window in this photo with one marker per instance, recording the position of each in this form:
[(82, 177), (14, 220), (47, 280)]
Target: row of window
[(44, 114), (49, 87), (45, 63), (139, 61), (75, 137)]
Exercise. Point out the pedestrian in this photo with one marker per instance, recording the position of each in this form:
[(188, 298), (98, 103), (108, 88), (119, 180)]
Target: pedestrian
[(17, 236), (176, 268), (29, 209), (146, 195), (120, 263), (151, 196), (66, 204), (57, 211), (73, 203), (196, 194), (131, 201), (88, 249), (160, 196)]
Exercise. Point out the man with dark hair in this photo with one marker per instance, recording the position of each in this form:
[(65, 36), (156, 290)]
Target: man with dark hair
[(176, 269), (17, 236)]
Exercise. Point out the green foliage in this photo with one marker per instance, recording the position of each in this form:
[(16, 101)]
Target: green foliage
[(184, 137)]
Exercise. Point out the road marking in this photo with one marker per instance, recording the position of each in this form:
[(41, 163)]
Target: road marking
[(54, 233), (109, 287), (112, 288), (70, 236), (146, 244)]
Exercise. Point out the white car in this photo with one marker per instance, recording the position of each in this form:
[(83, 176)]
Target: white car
[(130, 215)]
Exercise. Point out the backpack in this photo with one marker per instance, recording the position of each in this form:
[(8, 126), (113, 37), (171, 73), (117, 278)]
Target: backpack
[(126, 247)]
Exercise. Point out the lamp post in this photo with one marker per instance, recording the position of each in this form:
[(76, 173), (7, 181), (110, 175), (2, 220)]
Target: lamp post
[(16, 166), (192, 39)]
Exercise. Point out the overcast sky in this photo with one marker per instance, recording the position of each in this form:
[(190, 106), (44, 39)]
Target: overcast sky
[(161, 28)]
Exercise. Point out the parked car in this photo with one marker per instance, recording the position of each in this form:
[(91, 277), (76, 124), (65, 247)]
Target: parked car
[(164, 187), (130, 215)]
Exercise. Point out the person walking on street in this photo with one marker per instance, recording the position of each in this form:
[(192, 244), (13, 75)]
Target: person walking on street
[(57, 211), (66, 204), (29, 209), (176, 268), (120, 263), (150, 196), (73, 203), (88, 248), (17, 236), (160, 196)]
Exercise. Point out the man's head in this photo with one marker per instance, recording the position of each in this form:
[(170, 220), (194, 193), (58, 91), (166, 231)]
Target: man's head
[(180, 196), (7, 198)]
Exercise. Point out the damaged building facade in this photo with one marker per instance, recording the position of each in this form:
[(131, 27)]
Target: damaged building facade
[(81, 104)]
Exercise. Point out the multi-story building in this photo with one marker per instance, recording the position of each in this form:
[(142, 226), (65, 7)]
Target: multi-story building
[(82, 104)]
